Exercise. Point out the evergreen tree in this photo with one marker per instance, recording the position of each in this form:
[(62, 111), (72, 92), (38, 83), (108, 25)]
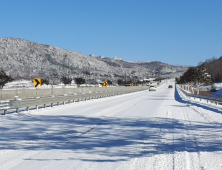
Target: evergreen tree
[(120, 82), (66, 80), (45, 81), (79, 81), (195, 76), (109, 82), (4, 78)]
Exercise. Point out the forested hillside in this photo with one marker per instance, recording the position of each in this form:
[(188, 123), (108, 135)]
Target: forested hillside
[(23, 59), (213, 67)]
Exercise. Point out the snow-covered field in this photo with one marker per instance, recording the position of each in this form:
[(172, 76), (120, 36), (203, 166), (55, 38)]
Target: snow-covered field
[(26, 84), (144, 130)]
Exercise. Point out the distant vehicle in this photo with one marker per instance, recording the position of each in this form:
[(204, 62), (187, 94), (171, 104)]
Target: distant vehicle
[(152, 88), (170, 86), (127, 84)]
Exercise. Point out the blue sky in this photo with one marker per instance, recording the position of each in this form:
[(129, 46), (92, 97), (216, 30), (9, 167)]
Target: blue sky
[(173, 31)]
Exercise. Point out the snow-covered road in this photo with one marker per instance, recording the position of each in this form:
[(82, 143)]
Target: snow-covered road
[(143, 130)]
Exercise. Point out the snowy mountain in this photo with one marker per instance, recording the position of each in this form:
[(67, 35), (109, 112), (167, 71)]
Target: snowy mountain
[(26, 59)]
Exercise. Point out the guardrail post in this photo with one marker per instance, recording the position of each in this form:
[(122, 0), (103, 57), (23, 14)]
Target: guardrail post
[(51, 104), (57, 103), (17, 110), (16, 92), (27, 108), (44, 105), (63, 102), (37, 107), (5, 112)]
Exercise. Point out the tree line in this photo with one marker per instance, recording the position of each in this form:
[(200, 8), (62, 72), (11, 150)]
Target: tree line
[(195, 76), (206, 73), (213, 66), (4, 78), (65, 81)]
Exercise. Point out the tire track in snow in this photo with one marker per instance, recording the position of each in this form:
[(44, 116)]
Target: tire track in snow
[(193, 140), (190, 139), (159, 158), (206, 116)]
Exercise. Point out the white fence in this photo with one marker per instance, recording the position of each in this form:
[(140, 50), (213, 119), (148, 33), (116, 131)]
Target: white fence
[(201, 97)]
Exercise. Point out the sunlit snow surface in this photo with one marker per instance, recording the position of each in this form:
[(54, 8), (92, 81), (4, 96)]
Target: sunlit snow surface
[(143, 130)]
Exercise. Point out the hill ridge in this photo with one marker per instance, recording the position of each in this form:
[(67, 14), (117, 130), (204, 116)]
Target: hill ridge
[(27, 59)]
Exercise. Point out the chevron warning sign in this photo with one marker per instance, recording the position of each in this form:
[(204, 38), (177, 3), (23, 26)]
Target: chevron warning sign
[(105, 84), (37, 82)]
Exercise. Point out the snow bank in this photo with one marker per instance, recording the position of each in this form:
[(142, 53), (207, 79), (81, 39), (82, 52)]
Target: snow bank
[(218, 93)]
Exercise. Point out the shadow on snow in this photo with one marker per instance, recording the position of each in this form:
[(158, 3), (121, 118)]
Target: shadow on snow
[(116, 139), (179, 99)]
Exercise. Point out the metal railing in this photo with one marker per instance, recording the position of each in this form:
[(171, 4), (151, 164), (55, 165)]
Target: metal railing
[(201, 97), (66, 98), (4, 106), (74, 95), (33, 93)]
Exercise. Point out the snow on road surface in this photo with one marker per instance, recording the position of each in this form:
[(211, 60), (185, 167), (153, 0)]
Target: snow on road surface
[(143, 130)]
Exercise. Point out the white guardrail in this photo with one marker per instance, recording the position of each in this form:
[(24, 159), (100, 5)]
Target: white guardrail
[(43, 101), (7, 94), (201, 97), (87, 94)]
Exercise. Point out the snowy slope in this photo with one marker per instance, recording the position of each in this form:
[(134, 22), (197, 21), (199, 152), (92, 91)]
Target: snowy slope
[(23, 59), (143, 130)]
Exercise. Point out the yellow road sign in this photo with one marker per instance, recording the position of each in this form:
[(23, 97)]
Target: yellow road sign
[(131, 84), (37, 82), (105, 84)]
